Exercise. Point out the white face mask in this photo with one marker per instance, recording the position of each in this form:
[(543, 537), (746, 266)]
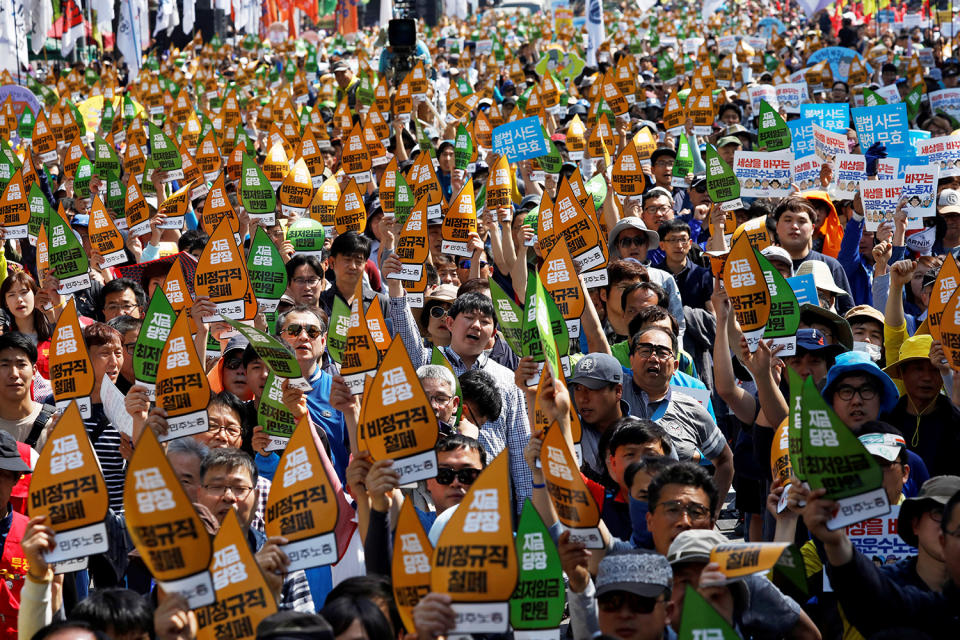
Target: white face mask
[(873, 350)]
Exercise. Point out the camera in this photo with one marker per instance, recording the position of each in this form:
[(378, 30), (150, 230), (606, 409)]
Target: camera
[(402, 39)]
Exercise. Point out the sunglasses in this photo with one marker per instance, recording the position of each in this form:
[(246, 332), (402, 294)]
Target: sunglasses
[(466, 476), (700, 188), (615, 600), (313, 331), (233, 363), (437, 312)]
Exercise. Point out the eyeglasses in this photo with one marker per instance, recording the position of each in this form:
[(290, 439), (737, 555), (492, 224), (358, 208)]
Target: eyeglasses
[(676, 241), (636, 241), (116, 306), (233, 363), (233, 432), (130, 347), (646, 350), (439, 401), (613, 601), (661, 209), (437, 312), (674, 509), (867, 392), (664, 163), (221, 489), (467, 475), (310, 282), (313, 331)]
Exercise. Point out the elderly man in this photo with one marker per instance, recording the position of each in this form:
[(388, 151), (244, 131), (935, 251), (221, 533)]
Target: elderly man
[(441, 389)]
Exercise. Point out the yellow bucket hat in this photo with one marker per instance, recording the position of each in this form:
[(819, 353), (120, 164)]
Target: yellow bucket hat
[(915, 347)]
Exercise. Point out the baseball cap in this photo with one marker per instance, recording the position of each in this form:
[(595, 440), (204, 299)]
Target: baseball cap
[(661, 151), (694, 545), (340, 65), (884, 445), (725, 140), (949, 201), (237, 342), (814, 340), (10, 459), (935, 493), (774, 252), (644, 574), (597, 370), (529, 202)]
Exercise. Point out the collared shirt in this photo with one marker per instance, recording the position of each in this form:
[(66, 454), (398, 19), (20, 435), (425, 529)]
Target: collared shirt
[(330, 420), (590, 443), (295, 592), (326, 298), (692, 430), (509, 431), (694, 283)]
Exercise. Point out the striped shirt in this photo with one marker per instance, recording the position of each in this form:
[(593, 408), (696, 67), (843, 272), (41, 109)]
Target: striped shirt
[(107, 447)]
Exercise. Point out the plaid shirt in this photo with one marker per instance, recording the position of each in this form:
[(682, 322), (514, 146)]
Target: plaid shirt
[(511, 430)]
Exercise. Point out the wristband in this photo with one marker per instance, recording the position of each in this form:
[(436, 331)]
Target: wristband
[(542, 485)]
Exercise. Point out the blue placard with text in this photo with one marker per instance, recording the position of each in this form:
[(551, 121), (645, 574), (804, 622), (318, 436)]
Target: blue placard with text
[(520, 140)]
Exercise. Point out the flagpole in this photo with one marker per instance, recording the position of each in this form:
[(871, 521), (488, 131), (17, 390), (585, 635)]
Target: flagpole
[(16, 37)]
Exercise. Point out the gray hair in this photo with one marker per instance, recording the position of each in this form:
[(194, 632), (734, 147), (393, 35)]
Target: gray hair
[(438, 372), (188, 445)]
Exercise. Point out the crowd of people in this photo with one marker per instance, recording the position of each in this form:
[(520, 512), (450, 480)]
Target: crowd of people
[(672, 413)]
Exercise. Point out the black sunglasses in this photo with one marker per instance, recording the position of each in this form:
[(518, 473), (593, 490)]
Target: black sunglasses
[(313, 331), (700, 188), (233, 363), (614, 600), (466, 476)]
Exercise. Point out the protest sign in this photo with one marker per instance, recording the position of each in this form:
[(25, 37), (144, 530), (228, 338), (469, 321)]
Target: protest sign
[(67, 257), (850, 170), (627, 177), (71, 373), (222, 274), (880, 200), (165, 153), (801, 136), (412, 245), (14, 208), (307, 237), (747, 289), (157, 322), (773, 134), (877, 539), (136, 211), (945, 100), (943, 152), (520, 140), (182, 388), (722, 184), (764, 175), (296, 190), (337, 329), (700, 621), (806, 172), (243, 597), (40, 212), (266, 270), (275, 354), (257, 195), (578, 230), (832, 117), (536, 606), (574, 503), (828, 144), (104, 236), (360, 357), (825, 454), (919, 191), (886, 124), (423, 179), (742, 559), (275, 418), (780, 468), (68, 487), (790, 96), (948, 278), (509, 316), (165, 529), (559, 277), (756, 232), (302, 506), (410, 569), (784, 318), (479, 532), (459, 222), (537, 336), (763, 93)]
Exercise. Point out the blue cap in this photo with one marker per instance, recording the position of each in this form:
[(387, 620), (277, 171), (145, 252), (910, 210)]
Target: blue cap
[(814, 340), (80, 220), (859, 363)]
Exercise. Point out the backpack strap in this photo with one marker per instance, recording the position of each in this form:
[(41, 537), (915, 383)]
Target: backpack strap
[(43, 418)]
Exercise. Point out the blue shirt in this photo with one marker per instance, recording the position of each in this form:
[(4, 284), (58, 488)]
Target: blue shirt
[(331, 420)]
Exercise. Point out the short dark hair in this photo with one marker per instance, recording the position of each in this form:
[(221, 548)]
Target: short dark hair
[(653, 464), (620, 270), (674, 344), (100, 333), (351, 243), (125, 323), (230, 459), (20, 341), (652, 315), (729, 106), (228, 401), (795, 203), (55, 627), (651, 287), (688, 475), (460, 441), (672, 226), (192, 239), (124, 610), (474, 285), (302, 308), (631, 430), (299, 260), (120, 285), (479, 387), (473, 302), (342, 612), (370, 587)]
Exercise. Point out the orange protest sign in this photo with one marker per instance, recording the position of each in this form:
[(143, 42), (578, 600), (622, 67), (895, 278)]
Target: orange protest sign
[(323, 207), (302, 506), (67, 486), (576, 139), (559, 277), (350, 215), (747, 289), (356, 156), (75, 153), (483, 131), (296, 191), (378, 326), (423, 180), (627, 178), (174, 208), (459, 222), (44, 141), (412, 245), (375, 149), (700, 109), (388, 188), (177, 289), (105, 238), (217, 206), (182, 388), (14, 207), (741, 559), (43, 252), (398, 422), (546, 232), (756, 232), (579, 232), (475, 560), (600, 138), (575, 505), (410, 571), (611, 94), (947, 279), (499, 183), (276, 165), (71, 373), (222, 274), (164, 527), (309, 151), (243, 598), (360, 355), (135, 210)]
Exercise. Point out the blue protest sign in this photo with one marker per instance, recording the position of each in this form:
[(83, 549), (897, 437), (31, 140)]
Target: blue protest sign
[(886, 16), (833, 117), (801, 136), (886, 124), (839, 59), (804, 288), (520, 140), (768, 25), (916, 137)]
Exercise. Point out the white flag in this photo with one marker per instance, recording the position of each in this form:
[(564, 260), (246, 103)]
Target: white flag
[(595, 31), (130, 34), (40, 21), (386, 13), (189, 16), (709, 8), (167, 17), (13, 36), (104, 11)]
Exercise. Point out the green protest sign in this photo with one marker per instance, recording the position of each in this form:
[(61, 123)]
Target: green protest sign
[(165, 153), (913, 99), (784, 318), (437, 357), (273, 415), (773, 133), (552, 161), (81, 179), (306, 235), (337, 329), (872, 98), (825, 454), (7, 170), (25, 126), (257, 195), (509, 316), (683, 163), (700, 621), (365, 88), (275, 354), (537, 336), (106, 118), (115, 198), (67, 258), (462, 148), (561, 333), (403, 199), (722, 184), (40, 212), (597, 187), (268, 274), (157, 322), (538, 601), (105, 157), (9, 154)]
